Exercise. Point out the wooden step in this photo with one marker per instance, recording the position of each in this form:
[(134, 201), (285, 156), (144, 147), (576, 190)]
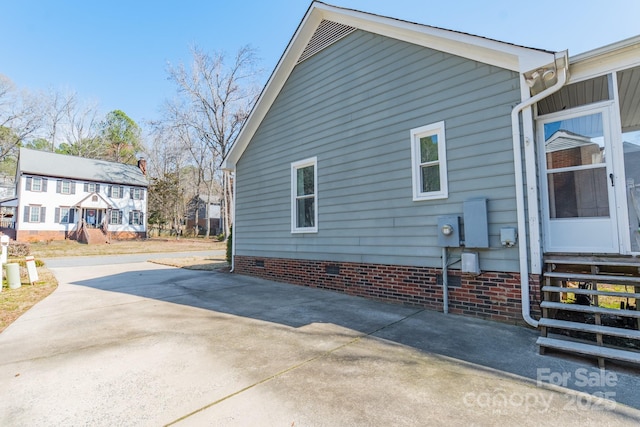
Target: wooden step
[(590, 292), (594, 329), (600, 278), (589, 349), (590, 309), (609, 262)]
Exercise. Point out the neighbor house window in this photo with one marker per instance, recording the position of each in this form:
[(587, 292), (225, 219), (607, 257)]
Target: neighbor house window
[(135, 218), (36, 184), (116, 191), (429, 162), (64, 215), (304, 196), (91, 187), (65, 187), (137, 193), (34, 213), (115, 217)]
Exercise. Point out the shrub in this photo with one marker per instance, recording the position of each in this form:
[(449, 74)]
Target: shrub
[(229, 245), (18, 249)]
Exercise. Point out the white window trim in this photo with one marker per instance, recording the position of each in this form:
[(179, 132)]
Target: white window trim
[(313, 161), (416, 134)]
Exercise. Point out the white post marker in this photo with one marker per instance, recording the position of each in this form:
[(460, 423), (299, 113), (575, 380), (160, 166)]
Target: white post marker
[(31, 269), (4, 242)]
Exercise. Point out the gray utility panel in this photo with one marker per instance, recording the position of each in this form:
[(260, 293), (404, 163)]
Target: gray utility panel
[(476, 224)]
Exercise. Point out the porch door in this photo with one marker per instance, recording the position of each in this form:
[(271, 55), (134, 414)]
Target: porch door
[(578, 181)]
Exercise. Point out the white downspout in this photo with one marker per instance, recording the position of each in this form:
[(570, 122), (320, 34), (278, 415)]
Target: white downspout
[(233, 213), (517, 160), (445, 281)]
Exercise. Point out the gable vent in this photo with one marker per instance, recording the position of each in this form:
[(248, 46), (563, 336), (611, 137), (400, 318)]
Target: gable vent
[(326, 34)]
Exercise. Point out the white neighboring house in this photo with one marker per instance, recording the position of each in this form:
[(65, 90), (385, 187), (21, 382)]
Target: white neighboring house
[(61, 196)]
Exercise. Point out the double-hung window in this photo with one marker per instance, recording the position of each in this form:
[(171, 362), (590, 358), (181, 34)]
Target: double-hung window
[(429, 162), (304, 196), (36, 183), (115, 217), (34, 213), (116, 191), (136, 193), (64, 215), (136, 218), (64, 186)]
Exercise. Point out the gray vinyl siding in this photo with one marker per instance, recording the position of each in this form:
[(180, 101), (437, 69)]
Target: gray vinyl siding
[(352, 105)]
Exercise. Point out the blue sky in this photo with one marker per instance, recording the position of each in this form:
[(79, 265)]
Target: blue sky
[(116, 52)]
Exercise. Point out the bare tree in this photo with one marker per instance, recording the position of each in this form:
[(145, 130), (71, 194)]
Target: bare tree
[(216, 100), (20, 116), (56, 112)]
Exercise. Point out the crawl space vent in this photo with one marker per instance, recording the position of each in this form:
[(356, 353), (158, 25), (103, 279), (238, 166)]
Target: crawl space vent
[(326, 34)]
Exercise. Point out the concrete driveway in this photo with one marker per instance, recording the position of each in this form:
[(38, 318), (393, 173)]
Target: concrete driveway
[(143, 344)]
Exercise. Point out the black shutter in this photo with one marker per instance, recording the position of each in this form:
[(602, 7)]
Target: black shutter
[(131, 193), (44, 185), (141, 218), (109, 190), (26, 214), (130, 218), (119, 217), (59, 187), (57, 215), (28, 185), (97, 188), (142, 194), (72, 186), (86, 187), (71, 215), (43, 213)]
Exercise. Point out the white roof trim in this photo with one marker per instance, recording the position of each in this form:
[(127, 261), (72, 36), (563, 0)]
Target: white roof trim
[(503, 55), (613, 57)]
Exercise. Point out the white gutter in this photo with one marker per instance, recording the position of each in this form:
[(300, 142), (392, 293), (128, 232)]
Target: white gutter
[(517, 160)]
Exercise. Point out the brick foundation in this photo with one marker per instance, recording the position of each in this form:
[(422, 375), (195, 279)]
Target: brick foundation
[(491, 295)]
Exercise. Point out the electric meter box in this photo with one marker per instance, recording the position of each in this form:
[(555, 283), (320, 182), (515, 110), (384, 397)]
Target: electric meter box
[(449, 231)]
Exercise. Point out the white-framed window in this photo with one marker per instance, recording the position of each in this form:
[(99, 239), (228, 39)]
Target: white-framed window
[(304, 196), (64, 215), (115, 217), (136, 193), (33, 213), (65, 187), (136, 218), (429, 162), (91, 187), (116, 191), (36, 183)]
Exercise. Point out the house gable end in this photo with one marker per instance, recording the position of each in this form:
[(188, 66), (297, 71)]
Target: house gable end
[(309, 33)]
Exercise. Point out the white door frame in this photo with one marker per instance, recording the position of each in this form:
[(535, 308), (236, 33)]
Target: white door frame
[(609, 233)]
